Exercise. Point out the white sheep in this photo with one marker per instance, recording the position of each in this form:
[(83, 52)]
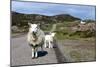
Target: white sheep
[(49, 38), (35, 39)]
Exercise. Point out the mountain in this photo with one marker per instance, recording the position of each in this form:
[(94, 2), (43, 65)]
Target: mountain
[(23, 19), (66, 17)]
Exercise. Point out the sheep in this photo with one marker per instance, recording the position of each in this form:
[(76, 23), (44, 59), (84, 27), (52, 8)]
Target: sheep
[(49, 40), (35, 39)]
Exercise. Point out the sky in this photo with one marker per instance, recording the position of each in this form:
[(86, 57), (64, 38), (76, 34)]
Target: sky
[(51, 9)]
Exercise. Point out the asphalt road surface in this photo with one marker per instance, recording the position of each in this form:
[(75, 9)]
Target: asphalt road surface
[(21, 53)]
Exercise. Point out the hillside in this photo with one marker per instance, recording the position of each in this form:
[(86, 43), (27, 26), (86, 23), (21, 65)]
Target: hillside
[(23, 19)]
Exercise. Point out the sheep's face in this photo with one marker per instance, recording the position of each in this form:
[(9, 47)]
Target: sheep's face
[(33, 28)]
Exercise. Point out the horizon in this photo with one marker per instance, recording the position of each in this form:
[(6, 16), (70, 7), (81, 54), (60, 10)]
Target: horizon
[(50, 9)]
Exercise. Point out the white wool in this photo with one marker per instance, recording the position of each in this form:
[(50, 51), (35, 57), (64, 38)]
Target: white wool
[(37, 41), (40, 35), (30, 39), (49, 39)]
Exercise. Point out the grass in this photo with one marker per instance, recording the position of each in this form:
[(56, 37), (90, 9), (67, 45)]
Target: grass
[(76, 55), (63, 32), (75, 37), (79, 51), (83, 55)]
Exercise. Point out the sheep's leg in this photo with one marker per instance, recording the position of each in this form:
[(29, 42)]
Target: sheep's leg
[(45, 44), (49, 44), (33, 53), (36, 52)]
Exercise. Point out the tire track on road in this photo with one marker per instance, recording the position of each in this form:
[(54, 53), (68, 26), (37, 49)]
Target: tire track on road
[(59, 56)]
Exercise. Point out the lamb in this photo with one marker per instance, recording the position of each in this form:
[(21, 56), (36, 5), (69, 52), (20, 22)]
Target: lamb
[(49, 38)]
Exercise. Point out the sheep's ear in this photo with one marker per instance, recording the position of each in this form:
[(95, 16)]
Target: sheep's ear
[(29, 24)]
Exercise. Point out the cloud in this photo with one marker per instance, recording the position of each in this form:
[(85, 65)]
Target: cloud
[(49, 9)]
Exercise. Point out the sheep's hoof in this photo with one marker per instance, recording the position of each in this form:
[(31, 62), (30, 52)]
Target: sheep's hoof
[(47, 47), (33, 57)]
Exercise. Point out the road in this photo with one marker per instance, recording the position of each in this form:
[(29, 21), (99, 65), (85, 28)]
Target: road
[(53, 27), (21, 53), (63, 51)]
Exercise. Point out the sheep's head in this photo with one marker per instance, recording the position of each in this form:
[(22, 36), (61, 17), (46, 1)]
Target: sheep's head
[(53, 34), (33, 28)]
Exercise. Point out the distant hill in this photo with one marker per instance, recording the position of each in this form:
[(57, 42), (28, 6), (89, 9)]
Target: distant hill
[(23, 19)]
